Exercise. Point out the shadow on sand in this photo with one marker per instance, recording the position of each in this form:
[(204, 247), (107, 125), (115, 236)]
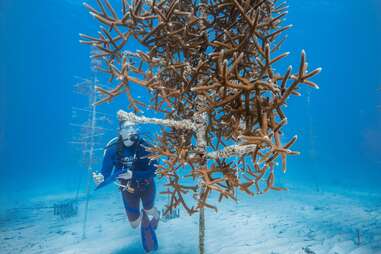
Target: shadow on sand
[(134, 248)]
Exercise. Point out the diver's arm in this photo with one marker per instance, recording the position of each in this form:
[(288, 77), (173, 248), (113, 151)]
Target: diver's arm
[(108, 163)]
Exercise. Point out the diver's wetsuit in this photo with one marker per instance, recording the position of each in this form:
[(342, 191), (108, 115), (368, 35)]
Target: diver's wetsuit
[(118, 156)]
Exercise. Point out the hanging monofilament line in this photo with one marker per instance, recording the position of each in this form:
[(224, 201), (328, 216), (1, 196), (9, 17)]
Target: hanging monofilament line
[(237, 174), (91, 154)]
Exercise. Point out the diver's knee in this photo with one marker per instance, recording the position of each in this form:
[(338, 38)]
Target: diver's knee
[(136, 223), (153, 212)]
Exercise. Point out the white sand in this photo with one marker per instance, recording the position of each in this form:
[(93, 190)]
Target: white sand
[(297, 221)]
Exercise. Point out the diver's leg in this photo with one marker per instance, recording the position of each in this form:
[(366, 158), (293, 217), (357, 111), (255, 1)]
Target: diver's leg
[(148, 234), (153, 212), (148, 226), (148, 196), (148, 200), (134, 224), (131, 204)]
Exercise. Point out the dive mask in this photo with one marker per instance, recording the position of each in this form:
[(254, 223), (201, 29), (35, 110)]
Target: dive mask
[(129, 134)]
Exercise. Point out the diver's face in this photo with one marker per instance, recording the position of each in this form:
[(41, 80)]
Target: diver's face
[(129, 136)]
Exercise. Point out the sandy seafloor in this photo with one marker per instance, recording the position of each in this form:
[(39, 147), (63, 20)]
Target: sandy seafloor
[(296, 221)]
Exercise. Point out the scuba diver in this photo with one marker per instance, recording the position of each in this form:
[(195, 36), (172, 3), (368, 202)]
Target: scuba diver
[(125, 162)]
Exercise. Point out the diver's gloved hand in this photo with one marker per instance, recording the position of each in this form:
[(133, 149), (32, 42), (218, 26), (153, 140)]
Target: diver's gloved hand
[(126, 176), (98, 178)]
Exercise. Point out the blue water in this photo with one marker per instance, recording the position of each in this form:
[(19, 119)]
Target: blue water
[(339, 126)]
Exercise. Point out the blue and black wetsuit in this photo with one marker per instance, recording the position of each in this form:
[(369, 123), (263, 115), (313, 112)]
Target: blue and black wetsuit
[(118, 157)]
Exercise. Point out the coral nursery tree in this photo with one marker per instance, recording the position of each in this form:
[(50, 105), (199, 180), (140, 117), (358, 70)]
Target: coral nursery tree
[(209, 67)]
